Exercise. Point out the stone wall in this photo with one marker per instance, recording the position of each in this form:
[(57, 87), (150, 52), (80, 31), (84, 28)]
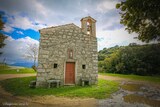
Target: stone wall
[(54, 45)]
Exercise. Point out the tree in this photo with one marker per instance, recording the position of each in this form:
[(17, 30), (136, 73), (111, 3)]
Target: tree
[(101, 57), (2, 37), (138, 59), (32, 53), (120, 68), (142, 17)]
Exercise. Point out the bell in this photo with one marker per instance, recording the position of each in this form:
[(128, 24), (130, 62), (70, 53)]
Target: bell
[(88, 28)]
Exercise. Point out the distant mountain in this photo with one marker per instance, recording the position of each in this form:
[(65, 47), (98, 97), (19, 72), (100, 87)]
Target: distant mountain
[(23, 64)]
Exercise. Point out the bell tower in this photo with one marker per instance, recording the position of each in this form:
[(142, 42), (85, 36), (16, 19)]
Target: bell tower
[(88, 25)]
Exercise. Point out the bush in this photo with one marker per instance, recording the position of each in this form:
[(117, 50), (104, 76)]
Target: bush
[(35, 68)]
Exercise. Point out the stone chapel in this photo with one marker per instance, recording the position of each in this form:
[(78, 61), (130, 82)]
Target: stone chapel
[(68, 53)]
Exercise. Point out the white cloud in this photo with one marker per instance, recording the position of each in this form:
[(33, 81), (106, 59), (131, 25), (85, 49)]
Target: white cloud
[(8, 28), (40, 8), (34, 14), (15, 49), (50, 12), (24, 14), (24, 23), (112, 22), (120, 37), (106, 5), (19, 32)]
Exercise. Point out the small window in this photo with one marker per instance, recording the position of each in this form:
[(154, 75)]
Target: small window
[(83, 66), (55, 65), (70, 52)]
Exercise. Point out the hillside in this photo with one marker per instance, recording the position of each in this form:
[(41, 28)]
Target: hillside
[(5, 69), (132, 59)]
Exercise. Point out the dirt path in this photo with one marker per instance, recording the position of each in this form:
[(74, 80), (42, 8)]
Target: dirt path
[(111, 78), (132, 93), (7, 76)]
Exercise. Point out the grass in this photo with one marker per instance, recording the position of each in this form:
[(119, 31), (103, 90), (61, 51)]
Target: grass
[(19, 86), (17, 71), (155, 79), (4, 69)]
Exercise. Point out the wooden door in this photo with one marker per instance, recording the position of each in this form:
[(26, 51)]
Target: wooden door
[(70, 73)]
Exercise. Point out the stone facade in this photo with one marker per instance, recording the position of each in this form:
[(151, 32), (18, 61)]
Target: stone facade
[(55, 43)]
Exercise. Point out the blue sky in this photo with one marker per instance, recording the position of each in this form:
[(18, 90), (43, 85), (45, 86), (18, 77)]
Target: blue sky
[(23, 19)]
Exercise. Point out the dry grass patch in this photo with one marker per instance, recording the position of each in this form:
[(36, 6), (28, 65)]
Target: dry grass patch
[(131, 87), (140, 99)]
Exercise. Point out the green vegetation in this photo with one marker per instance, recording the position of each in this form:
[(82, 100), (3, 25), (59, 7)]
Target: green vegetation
[(19, 86), (154, 79), (141, 17), (132, 59), (4, 69)]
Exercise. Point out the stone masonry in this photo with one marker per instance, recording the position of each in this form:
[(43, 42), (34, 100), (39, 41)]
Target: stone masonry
[(53, 51)]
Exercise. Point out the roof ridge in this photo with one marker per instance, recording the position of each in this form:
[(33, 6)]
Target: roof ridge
[(59, 26)]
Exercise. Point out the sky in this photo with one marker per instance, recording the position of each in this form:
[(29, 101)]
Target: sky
[(24, 18)]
